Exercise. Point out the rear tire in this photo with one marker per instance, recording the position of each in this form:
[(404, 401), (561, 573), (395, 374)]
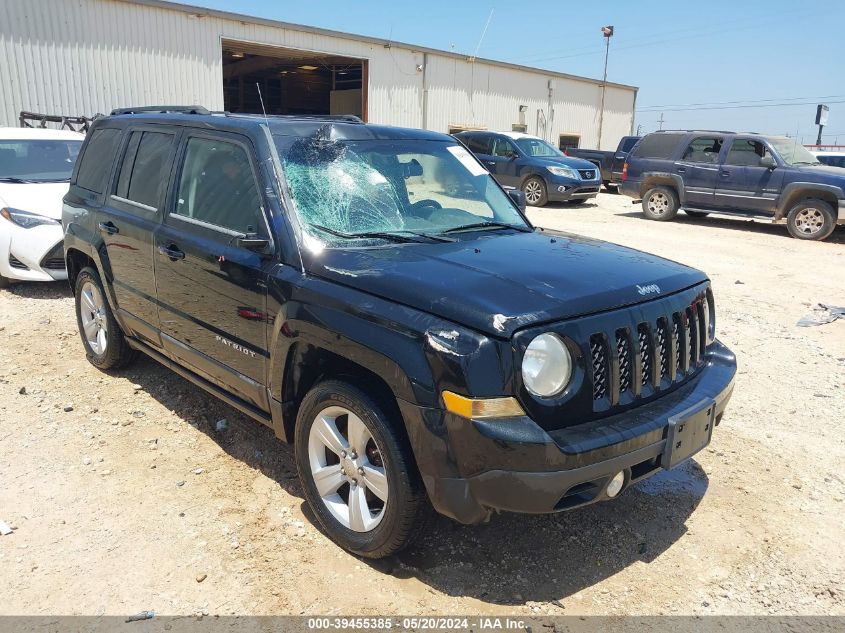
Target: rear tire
[(660, 204), (104, 342), (4, 282), (535, 192), (811, 219), (371, 500), (696, 214)]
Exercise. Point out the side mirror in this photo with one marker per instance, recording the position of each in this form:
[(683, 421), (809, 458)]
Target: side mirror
[(253, 242), (512, 155), (768, 162), (518, 198)]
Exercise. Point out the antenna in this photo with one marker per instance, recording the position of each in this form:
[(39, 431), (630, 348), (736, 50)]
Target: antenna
[(263, 109), (483, 33)]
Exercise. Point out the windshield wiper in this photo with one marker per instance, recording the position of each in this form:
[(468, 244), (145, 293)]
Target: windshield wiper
[(393, 236), (17, 181), (487, 225)]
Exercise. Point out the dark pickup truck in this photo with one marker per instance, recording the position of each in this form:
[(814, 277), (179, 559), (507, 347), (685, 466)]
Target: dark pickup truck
[(610, 163)]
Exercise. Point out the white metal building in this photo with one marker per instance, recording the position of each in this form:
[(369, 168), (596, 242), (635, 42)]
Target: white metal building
[(81, 57)]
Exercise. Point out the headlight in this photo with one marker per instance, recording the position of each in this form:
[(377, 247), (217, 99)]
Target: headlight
[(566, 172), (710, 316), (24, 218), (546, 366)]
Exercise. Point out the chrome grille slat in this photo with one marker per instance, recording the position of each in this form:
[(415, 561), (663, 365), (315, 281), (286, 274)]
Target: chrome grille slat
[(676, 335)]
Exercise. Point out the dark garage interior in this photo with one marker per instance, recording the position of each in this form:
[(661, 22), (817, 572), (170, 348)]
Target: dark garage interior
[(292, 81)]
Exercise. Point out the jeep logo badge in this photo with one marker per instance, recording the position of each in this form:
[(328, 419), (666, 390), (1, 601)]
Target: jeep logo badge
[(649, 289)]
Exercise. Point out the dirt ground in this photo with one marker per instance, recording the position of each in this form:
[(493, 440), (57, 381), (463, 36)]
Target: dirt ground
[(127, 494)]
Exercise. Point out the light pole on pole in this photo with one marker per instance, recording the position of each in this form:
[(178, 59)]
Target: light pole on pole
[(607, 31)]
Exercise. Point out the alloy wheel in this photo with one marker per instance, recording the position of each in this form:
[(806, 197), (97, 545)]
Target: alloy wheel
[(658, 203), (92, 311), (348, 469), (809, 221), (533, 192)]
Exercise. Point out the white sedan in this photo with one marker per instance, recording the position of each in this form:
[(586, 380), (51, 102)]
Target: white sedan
[(35, 168)]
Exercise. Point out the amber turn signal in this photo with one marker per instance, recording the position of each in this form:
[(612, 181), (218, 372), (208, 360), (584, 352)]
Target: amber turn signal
[(482, 407)]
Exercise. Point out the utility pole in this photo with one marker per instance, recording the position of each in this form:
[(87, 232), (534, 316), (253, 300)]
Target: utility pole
[(607, 32), (660, 120)]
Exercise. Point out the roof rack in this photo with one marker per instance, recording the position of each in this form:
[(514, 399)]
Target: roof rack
[(347, 118), (73, 123), (713, 131), (163, 109)]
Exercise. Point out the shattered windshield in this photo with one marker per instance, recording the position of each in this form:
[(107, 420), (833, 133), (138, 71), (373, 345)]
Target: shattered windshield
[(390, 190)]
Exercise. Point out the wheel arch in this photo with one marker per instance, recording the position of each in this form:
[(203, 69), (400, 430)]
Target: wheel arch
[(795, 192), (663, 179), (75, 261), (307, 365)]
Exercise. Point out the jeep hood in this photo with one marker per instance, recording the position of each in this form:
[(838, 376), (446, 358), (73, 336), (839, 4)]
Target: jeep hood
[(498, 282)]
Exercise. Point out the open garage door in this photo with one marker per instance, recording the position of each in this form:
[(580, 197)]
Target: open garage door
[(292, 81)]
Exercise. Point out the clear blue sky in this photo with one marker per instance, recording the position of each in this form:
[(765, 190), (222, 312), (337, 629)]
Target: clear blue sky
[(750, 53)]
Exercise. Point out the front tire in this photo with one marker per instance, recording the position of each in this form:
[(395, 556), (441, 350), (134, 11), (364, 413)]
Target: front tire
[(660, 204), (535, 192), (357, 471), (4, 282), (105, 345), (810, 220)]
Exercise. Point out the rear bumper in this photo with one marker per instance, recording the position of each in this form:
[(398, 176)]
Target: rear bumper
[(472, 468)]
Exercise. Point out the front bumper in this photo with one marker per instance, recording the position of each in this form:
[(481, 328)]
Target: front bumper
[(561, 189), (35, 254), (474, 467)]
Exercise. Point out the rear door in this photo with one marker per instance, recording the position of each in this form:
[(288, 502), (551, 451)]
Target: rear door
[(129, 219), (699, 168), (212, 292), (743, 184)]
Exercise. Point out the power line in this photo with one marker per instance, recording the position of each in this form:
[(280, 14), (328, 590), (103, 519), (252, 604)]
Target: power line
[(715, 103), (735, 107), (704, 33)]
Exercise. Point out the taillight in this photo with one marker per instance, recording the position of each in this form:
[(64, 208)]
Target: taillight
[(625, 171)]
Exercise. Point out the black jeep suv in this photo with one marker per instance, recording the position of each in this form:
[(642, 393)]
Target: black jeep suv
[(747, 175), (377, 299)]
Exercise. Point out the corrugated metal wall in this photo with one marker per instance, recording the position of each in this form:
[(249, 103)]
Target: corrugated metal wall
[(88, 56)]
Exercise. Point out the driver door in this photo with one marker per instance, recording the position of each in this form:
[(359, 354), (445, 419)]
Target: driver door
[(502, 162)]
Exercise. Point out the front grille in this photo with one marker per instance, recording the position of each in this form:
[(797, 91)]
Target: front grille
[(645, 353), (623, 351), (600, 366), (632, 362), (14, 262), (587, 174)]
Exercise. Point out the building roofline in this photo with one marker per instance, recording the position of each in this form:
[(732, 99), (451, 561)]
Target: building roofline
[(240, 17)]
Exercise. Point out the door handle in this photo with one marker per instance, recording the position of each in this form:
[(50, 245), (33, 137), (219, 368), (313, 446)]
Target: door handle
[(725, 173), (682, 170), (491, 162), (172, 252), (108, 227)]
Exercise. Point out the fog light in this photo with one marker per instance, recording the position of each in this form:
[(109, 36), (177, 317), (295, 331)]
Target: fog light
[(615, 485)]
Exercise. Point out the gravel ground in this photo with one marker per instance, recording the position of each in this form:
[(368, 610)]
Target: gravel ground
[(135, 490)]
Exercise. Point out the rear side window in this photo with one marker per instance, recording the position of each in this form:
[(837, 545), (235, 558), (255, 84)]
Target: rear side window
[(658, 145), (145, 169), (98, 159), (704, 149), (477, 143), (217, 186)]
